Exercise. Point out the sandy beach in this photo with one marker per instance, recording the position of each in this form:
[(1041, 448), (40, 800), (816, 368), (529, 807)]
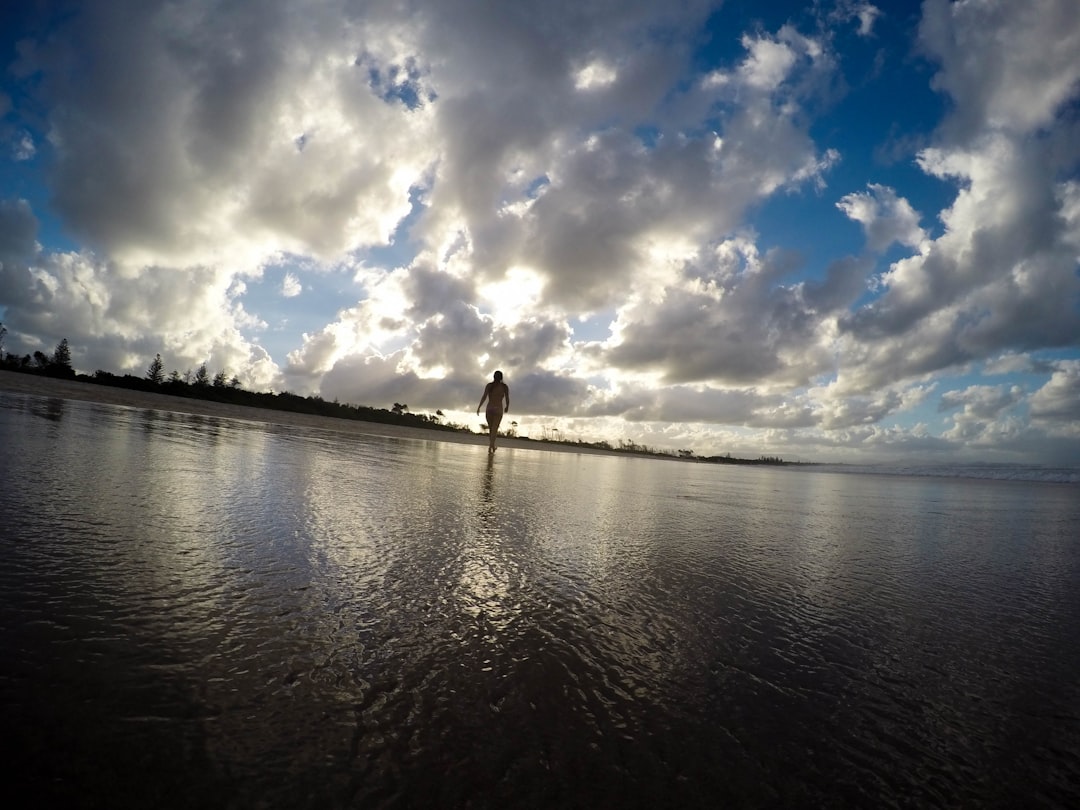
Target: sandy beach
[(35, 385)]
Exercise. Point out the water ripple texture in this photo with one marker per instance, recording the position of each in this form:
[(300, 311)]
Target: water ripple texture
[(203, 612)]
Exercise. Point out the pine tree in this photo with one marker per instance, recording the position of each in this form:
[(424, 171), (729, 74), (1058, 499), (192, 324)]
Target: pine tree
[(62, 356), (156, 372), (202, 376)]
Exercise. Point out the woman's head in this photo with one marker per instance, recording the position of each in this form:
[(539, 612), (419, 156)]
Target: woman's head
[(498, 376)]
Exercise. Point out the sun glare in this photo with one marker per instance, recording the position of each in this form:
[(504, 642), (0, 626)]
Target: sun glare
[(515, 296)]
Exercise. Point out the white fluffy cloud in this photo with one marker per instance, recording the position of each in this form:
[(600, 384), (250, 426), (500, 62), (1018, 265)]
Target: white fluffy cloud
[(885, 217), (1057, 404), (291, 286), (231, 132), (1003, 275), (1006, 66)]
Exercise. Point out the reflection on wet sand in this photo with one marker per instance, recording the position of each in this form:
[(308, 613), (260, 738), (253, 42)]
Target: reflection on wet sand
[(287, 616)]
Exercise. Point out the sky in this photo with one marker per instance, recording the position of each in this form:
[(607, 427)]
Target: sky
[(837, 231)]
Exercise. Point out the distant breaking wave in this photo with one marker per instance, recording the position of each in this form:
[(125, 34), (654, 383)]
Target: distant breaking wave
[(997, 472)]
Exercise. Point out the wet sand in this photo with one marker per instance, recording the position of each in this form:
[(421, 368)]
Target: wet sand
[(35, 385), (208, 612)]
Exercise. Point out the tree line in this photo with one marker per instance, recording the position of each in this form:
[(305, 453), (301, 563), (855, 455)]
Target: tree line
[(57, 364), (219, 387)]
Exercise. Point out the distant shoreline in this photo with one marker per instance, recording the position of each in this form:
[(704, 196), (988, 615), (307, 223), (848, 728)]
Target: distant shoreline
[(41, 386)]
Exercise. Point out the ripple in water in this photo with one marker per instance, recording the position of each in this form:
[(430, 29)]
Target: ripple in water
[(206, 612)]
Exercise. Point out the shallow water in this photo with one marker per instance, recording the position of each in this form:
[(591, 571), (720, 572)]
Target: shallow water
[(207, 612)]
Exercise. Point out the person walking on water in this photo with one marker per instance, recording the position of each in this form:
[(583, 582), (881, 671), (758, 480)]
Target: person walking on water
[(494, 394)]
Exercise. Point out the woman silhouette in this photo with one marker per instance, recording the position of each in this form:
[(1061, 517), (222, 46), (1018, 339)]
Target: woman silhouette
[(494, 394)]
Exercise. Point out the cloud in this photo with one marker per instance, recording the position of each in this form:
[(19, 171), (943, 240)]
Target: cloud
[(981, 401), (885, 217), (768, 63), (1002, 277), (18, 233), (1006, 66), (548, 392), (607, 196), (1009, 363), (852, 411), (117, 316), (291, 286), (198, 137), (22, 147), (867, 16), (380, 382), (657, 202), (320, 351), (21, 286), (731, 319), (1057, 404)]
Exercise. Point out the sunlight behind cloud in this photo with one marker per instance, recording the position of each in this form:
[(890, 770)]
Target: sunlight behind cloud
[(512, 298), (594, 75)]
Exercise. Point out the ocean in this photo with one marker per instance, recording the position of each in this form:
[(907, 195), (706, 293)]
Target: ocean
[(210, 612)]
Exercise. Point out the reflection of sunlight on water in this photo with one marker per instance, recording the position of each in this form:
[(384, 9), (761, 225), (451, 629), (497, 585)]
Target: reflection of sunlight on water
[(484, 583), (566, 545)]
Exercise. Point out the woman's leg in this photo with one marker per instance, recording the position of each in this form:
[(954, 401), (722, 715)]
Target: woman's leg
[(494, 419)]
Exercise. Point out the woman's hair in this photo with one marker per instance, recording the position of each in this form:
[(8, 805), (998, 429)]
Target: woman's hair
[(498, 376)]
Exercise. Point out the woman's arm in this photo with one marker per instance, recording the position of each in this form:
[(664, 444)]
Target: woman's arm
[(506, 390), (483, 399)]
